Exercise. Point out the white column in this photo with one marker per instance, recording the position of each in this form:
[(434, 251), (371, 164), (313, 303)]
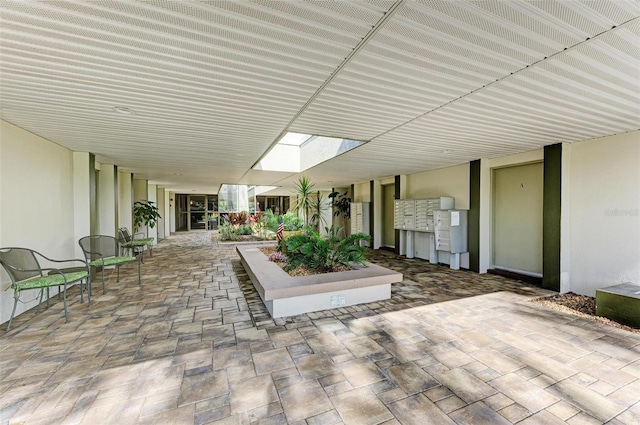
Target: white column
[(485, 216), (152, 195), (376, 198), (125, 200), (161, 208), (403, 234), (140, 193), (106, 197), (169, 207), (81, 198)]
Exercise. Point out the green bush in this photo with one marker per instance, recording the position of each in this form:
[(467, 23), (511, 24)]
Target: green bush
[(324, 254), (245, 229), (291, 221), (227, 232)]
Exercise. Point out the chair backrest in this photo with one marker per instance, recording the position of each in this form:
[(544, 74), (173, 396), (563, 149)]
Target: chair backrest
[(124, 235), (99, 246), (19, 258)]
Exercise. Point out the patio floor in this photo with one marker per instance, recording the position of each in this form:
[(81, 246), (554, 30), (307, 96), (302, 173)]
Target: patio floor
[(194, 345)]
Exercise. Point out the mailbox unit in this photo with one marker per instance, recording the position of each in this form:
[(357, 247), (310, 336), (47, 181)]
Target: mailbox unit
[(360, 219)]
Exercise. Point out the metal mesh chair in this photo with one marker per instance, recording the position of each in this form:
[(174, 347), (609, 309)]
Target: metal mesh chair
[(131, 244), (25, 271), (103, 251)]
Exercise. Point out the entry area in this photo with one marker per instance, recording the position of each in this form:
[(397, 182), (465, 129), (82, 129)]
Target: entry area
[(196, 212)]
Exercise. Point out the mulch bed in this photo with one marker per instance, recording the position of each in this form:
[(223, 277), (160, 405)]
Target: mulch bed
[(579, 305)]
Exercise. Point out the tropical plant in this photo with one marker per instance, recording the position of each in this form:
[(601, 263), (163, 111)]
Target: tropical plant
[(341, 203), (291, 220), (226, 232), (145, 213), (318, 206), (304, 192), (325, 254)]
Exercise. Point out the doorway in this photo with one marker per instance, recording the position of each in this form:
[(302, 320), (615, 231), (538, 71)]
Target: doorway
[(388, 230), (196, 212), (517, 218)]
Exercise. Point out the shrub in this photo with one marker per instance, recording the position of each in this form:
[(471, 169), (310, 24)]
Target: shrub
[(244, 229), (227, 232), (324, 254)]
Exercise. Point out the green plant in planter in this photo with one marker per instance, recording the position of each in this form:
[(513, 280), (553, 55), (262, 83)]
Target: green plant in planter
[(145, 213), (304, 192), (324, 254)]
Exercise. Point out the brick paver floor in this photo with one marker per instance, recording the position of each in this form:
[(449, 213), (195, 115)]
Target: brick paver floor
[(194, 345)]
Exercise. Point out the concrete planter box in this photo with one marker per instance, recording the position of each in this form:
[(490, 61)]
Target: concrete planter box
[(620, 303), (285, 295)]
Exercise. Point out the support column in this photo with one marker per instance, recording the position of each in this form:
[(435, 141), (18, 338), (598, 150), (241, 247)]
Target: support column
[(474, 216), (106, 200), (551, 217), (125, 200), (83, 169)]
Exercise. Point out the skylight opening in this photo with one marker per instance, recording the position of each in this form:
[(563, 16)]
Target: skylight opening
[(297, 152)]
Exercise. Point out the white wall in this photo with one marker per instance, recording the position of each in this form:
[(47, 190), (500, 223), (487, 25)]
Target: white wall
[(362, 192), (605, 212), (38, 204), (450, 181)]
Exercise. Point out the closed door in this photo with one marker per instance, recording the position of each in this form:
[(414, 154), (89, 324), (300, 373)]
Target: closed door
[(388, 233), (517, 218)]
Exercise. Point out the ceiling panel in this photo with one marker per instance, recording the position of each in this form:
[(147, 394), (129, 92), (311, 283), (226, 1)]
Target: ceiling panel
[(213, 84)]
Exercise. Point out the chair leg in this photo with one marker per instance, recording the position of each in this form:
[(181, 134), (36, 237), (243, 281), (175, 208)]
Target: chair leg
[(139, 279), (15, 304), (40, 302), (118, 273), (104, 291), (89, 290), (49, 296), (64, 297)]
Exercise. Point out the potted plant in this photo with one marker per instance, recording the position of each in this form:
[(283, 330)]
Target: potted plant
[(145, 213)]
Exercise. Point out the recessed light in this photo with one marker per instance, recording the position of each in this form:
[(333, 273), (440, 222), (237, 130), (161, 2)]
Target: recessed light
[(177, 174), (123, 110)]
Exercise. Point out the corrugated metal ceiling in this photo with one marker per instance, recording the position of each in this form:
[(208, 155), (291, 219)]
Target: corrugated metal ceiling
[(214, 83)]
